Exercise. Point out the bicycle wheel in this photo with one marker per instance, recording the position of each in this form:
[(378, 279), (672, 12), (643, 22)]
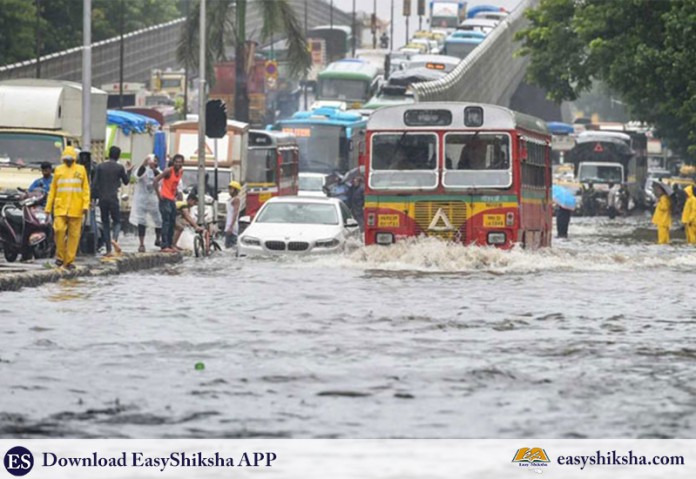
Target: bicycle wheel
[(198, 246), (214, 246)]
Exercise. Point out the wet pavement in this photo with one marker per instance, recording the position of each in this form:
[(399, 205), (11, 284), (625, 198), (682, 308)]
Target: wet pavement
[(591, 338)]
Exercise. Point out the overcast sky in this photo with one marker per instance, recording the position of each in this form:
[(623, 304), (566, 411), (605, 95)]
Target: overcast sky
[(384, 7)]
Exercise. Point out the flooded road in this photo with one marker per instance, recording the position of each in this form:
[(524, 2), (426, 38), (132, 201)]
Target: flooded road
[(592, 338)]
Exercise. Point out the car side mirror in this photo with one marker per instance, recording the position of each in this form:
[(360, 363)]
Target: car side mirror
[(351, 223), (245, 219)]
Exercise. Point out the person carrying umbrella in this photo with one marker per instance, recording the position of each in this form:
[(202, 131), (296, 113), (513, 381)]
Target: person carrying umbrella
[(662, 218), (565, 200)]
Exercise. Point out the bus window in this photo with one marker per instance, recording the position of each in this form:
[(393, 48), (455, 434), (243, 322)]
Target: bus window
[(261, 165), (287, 168), (477, 160), (404, 160)]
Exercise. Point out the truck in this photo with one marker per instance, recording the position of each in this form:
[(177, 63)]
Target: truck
[(38, 118), (224, 89), (171, 82), (447, 14), (232, 154)]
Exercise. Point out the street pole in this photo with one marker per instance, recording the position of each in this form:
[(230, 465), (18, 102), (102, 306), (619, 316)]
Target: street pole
[(305, 75), (120, 59), (38, 38), (391, 28), (353, 30), (186, 79), (86, 74), (201, 114), (420, 22), (407, 36), (331, 15), (374, 27)]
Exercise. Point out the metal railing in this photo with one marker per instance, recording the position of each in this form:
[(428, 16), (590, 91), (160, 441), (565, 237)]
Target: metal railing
[(490, 73)]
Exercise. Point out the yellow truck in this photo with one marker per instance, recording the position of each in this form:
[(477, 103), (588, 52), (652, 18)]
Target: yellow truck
[(38, 118)]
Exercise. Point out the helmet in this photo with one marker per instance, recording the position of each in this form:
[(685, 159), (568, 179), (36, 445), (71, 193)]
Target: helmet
[(69, 152), (235, 185)]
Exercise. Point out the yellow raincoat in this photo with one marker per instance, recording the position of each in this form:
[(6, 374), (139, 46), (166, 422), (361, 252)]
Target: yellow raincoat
[(69, 195), (662, 218), (689, 215), (67, 201)]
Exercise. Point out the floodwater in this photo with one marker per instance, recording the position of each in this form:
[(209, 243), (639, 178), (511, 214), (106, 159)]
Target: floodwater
[(592, 338)]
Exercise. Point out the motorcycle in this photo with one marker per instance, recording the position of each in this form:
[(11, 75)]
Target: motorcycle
[(25, 227)]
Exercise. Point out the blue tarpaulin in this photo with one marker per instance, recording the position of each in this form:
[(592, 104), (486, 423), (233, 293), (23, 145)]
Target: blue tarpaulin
[(130, 122), (160, 149), (559, 128), (471, 13)]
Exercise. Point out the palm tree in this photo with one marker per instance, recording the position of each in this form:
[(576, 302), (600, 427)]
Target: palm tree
[(226, 24)]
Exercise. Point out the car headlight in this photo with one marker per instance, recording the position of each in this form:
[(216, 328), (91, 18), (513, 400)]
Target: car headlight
[(327, 243), (384, 238), (496, 238), (250, 241)]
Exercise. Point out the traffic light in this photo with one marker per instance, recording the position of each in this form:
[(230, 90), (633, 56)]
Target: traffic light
[(421, 8), (407, 8), (215, 119)]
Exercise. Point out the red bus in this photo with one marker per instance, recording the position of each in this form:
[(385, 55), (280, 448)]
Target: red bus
[(464, 172), (272, 167)]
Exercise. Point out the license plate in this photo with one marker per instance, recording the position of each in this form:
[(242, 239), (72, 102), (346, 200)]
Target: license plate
[(494, 221), (388, 221)]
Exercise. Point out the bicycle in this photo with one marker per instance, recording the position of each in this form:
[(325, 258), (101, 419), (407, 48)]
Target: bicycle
[(204, 243)]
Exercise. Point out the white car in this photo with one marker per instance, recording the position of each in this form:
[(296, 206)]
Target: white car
[(312, 184), (298, 225)]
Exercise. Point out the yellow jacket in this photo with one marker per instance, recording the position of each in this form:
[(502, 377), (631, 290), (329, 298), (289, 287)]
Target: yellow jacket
[(689, 213), (663, 212), (69, 195)]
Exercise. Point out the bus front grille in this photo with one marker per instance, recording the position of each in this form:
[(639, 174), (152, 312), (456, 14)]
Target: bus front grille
[(442, 219)]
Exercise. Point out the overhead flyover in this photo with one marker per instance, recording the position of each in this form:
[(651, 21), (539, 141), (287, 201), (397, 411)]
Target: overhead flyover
[(492, 73)]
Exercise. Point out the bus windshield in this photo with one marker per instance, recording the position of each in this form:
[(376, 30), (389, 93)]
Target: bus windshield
[(477, 160), (445, 22), (341, 89), (600, 173), (460, 50), (323, 148), (261, 165), (30, 149), (404, 161)]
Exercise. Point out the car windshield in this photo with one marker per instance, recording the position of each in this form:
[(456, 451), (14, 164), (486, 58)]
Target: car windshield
[(311, 183), (404, 160), (298, 213), (30, 149), (340, 89), (261, 165), (600, 174), (477, 160)]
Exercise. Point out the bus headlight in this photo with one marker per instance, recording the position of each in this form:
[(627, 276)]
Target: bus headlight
[(510, 219), (370, 219), (384, 238), (497, 238)]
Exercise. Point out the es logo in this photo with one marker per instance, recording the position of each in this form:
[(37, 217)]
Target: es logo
[(534, 455), (19, 461)]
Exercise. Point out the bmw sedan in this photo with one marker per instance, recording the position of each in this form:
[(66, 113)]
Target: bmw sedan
[(298, 225)]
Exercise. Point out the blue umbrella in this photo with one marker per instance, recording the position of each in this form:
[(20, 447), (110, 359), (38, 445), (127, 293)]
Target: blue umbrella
[(564, 197)]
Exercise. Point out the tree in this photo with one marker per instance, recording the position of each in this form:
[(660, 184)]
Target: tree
[(278, 17), (642, 49), (17, 29)]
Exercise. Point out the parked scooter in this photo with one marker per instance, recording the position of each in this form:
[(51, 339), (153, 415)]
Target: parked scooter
[(26, 228)]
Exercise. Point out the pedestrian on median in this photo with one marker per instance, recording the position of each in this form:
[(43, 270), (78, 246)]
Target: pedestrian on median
[(689, 214), (108, 177), (145, 209), (232, 219), (68, 201), (170, 177), (662, 218)]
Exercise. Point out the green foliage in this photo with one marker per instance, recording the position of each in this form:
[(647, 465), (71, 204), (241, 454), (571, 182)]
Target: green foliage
[(61, 23), (17, 22), (642, 49)]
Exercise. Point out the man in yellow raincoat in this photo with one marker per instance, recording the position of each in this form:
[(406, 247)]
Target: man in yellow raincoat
[(662, 217), (689, 214), (67, 201)]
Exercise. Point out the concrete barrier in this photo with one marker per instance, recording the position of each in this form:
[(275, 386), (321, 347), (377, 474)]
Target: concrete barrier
[(123, 264)]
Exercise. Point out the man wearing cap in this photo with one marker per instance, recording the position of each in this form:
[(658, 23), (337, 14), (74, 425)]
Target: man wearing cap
[(232, 219), (68, 200)]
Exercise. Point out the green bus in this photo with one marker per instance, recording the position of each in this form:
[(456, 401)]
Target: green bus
[(351, 81)]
